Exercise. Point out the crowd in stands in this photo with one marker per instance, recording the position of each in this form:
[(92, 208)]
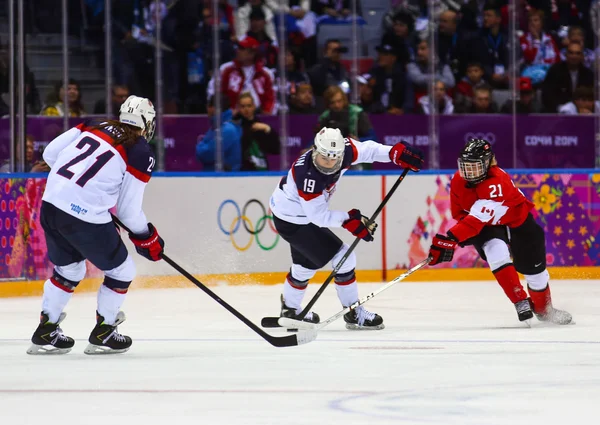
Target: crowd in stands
[(555, 55)]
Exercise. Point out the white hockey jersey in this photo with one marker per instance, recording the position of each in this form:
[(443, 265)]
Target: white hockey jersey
[(89, 176), (303, 195)]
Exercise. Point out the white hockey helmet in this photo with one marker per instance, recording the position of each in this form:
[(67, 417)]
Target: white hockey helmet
[(139, 112), (329, 144)]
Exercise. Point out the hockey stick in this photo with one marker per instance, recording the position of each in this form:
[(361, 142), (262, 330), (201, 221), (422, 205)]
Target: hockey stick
[(273, 322), (284, 341), (297, 324)]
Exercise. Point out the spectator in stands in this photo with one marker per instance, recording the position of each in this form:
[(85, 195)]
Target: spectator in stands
[(32, 97), (419, 10), (294, 75), (267, 49), (299, 17), (419, 75), (329, 71), (388, 80), (258, 138), (334, 11), (525, 104), (443, 101), (577, 35), (302, 100), (400, 36), (538, 49), (231, 134), (55, 102), (247, 74), (583, 103), (120, 93), (366, 99), (482, 102), (226, 20), (242, 22), (32, 164), (452, 45), (564, 77), (564, 14), (463, 95), (352, 121), (490, 49)]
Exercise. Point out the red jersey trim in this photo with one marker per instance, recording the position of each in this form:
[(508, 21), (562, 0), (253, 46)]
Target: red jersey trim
[(138, 174)]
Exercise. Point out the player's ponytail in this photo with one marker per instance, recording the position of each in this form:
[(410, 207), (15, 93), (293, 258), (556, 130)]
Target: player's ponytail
[(123, 134)]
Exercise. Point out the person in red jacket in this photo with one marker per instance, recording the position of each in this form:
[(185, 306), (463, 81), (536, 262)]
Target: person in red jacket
[(495, 217), (246, 73), (538, 48)]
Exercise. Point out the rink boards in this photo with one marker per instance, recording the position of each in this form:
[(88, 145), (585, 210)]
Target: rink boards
[(219, 227)]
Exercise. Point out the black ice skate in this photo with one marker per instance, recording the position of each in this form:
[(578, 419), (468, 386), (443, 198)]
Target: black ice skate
[(105, 339), (48, 338), (362, 319), (554, 315), (524, 311), (291, 313)]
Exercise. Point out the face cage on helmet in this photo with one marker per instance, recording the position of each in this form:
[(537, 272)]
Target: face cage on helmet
[(327, 171), (473, 171), (150, 127)]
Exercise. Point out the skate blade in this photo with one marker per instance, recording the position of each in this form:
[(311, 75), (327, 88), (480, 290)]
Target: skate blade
[(41, 350), (356, 327), (527, 323), (93, 350)]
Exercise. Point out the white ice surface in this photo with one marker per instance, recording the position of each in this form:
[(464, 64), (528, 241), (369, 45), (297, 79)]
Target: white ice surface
[(451, 353)]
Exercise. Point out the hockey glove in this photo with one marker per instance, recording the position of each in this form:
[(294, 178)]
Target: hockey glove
[(151, 246), (442, 249), (357, 225), (406, 156)]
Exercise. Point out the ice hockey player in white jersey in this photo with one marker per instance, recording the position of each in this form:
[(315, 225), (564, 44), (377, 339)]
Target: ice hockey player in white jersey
[(300, 206), (94, 167)]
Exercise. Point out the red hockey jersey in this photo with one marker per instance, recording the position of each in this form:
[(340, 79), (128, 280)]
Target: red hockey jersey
[(494, 202)]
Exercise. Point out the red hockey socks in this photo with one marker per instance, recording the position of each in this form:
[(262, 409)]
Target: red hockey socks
[(541, 300), (508, 279)]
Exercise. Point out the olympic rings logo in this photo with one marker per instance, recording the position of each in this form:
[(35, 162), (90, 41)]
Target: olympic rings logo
[(490, 137), (241, 220)]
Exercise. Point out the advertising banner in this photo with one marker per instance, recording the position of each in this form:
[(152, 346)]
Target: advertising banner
[(536, 141), (223, 225)]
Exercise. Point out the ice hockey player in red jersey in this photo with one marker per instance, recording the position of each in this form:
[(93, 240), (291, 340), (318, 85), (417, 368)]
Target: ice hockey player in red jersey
[(94, 167), (494, 216), (300, 206)]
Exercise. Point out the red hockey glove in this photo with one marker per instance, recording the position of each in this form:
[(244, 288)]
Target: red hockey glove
[(406, 156), (151, 246), (442, 249), (357, 225)]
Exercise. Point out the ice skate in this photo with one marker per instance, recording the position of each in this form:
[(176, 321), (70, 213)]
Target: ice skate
[(292, 313), (48, 338), (541, 302), (554, 315), (524, 311), (361, 319), (105, 339)]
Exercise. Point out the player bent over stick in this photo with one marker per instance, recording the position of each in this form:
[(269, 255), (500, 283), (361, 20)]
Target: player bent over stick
[(494, 216), (300, 206), (96, 166)]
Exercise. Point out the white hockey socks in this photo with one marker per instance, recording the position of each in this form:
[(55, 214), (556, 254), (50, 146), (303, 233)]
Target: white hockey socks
[(55, 299), (109, 304), (347, 288), (293, 294)]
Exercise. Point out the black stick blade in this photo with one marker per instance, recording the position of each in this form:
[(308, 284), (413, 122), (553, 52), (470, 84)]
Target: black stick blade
[(270, 322)]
